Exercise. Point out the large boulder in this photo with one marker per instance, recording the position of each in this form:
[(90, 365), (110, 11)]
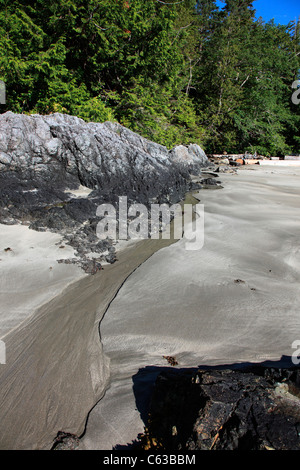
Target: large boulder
[(247, 408), (43, 159)]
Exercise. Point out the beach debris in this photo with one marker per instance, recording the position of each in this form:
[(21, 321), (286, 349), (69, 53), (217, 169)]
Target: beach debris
[(266, 447), (211, 183), (65, 441), (239, 281), (68, 261), (91, 266), (171, 360), (226, 169), (148, 443), (7, 249)]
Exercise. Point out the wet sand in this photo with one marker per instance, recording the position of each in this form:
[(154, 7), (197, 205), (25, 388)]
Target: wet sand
[(55, 369)]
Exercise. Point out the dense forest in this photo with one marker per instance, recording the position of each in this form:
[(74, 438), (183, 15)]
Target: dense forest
[(173, 71)]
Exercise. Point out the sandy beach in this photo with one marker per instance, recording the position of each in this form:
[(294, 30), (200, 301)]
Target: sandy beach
[(234, 301), (30, 274), (55, 370)]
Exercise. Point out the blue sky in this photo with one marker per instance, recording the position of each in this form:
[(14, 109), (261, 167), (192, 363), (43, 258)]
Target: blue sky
[(282, 11)]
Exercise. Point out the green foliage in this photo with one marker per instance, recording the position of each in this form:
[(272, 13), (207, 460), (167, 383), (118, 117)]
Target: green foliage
[(159, 112), (176, 72), (94, 110), (244, 83)]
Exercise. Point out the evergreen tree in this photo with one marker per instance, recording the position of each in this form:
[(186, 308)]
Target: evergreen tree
[(174, 71)]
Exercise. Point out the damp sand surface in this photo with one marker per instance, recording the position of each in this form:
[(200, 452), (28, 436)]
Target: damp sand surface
[(55, 370)]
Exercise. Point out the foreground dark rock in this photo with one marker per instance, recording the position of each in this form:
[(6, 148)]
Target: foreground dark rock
[(256, 408), (44, 158)]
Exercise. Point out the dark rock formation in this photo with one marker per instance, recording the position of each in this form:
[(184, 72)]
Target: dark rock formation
[(211, 183), (44, 158), (254, 408)]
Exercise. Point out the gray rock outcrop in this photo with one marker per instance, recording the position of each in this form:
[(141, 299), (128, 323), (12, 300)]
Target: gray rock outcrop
[(44, 158), (61, 152)]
